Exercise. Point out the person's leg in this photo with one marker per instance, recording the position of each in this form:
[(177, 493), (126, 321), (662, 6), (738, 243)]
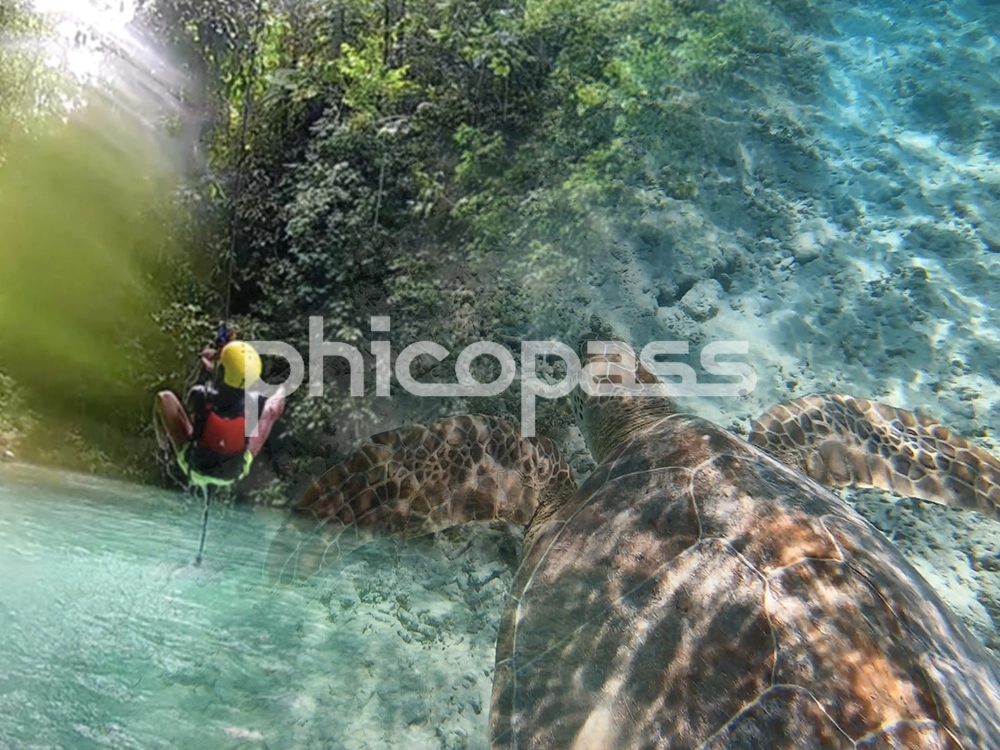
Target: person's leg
[(274, 407), (175, 419)]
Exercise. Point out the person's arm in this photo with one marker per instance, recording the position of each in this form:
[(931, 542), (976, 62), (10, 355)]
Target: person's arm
[(269, 411), (278, 397), (208, 359), (209, 353)]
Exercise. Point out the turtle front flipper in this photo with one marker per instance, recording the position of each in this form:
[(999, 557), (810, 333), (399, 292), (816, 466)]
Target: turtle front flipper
[(842, 441), (417, 480)]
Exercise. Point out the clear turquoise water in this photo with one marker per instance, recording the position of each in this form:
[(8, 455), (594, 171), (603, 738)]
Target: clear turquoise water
[(111, 638)]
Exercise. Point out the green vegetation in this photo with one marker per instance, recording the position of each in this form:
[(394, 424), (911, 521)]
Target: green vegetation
[(446, 163), (84, 198)]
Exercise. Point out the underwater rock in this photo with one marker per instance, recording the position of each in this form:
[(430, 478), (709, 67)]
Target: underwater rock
[(679, 324), (991, 238), (806, 250), (703, 300), (814, 237), (414, 711)]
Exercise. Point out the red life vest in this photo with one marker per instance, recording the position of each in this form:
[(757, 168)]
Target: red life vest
[(223, 436)]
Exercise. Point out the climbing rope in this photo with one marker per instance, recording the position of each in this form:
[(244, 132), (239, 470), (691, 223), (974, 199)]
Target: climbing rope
[(166, 452), (207, 494), (249, 76)]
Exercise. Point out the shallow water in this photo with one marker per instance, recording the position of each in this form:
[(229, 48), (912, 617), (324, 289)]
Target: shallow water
[(112, 638)]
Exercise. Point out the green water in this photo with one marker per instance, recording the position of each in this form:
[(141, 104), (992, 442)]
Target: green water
[(112, 638)]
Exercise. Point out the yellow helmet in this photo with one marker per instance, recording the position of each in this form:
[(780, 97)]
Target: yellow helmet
[(240, 364)]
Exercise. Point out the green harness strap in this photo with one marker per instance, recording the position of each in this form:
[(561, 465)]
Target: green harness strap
[(204, 481)]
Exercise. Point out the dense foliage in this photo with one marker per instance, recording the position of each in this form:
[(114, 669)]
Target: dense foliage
[(450, 163), (444, 163)]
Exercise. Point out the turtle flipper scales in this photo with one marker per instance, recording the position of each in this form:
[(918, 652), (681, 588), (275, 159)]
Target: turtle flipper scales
[(842, 441), (417, 480)]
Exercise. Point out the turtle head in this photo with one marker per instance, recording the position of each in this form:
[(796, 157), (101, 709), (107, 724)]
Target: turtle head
[(616, 398)]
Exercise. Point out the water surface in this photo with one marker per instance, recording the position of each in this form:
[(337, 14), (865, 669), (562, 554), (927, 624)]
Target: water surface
[(112, 638)]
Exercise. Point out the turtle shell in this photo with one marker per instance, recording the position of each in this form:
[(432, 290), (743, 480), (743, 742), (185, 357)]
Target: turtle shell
[(698, 594)]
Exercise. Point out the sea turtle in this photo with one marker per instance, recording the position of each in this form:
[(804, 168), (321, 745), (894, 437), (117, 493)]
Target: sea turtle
[(696, 591)]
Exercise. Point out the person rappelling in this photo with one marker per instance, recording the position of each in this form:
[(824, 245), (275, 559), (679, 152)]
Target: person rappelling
[(213, 446), (216, 445)]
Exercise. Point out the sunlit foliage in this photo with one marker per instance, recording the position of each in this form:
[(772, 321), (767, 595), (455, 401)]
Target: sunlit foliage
[(445, 162)]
